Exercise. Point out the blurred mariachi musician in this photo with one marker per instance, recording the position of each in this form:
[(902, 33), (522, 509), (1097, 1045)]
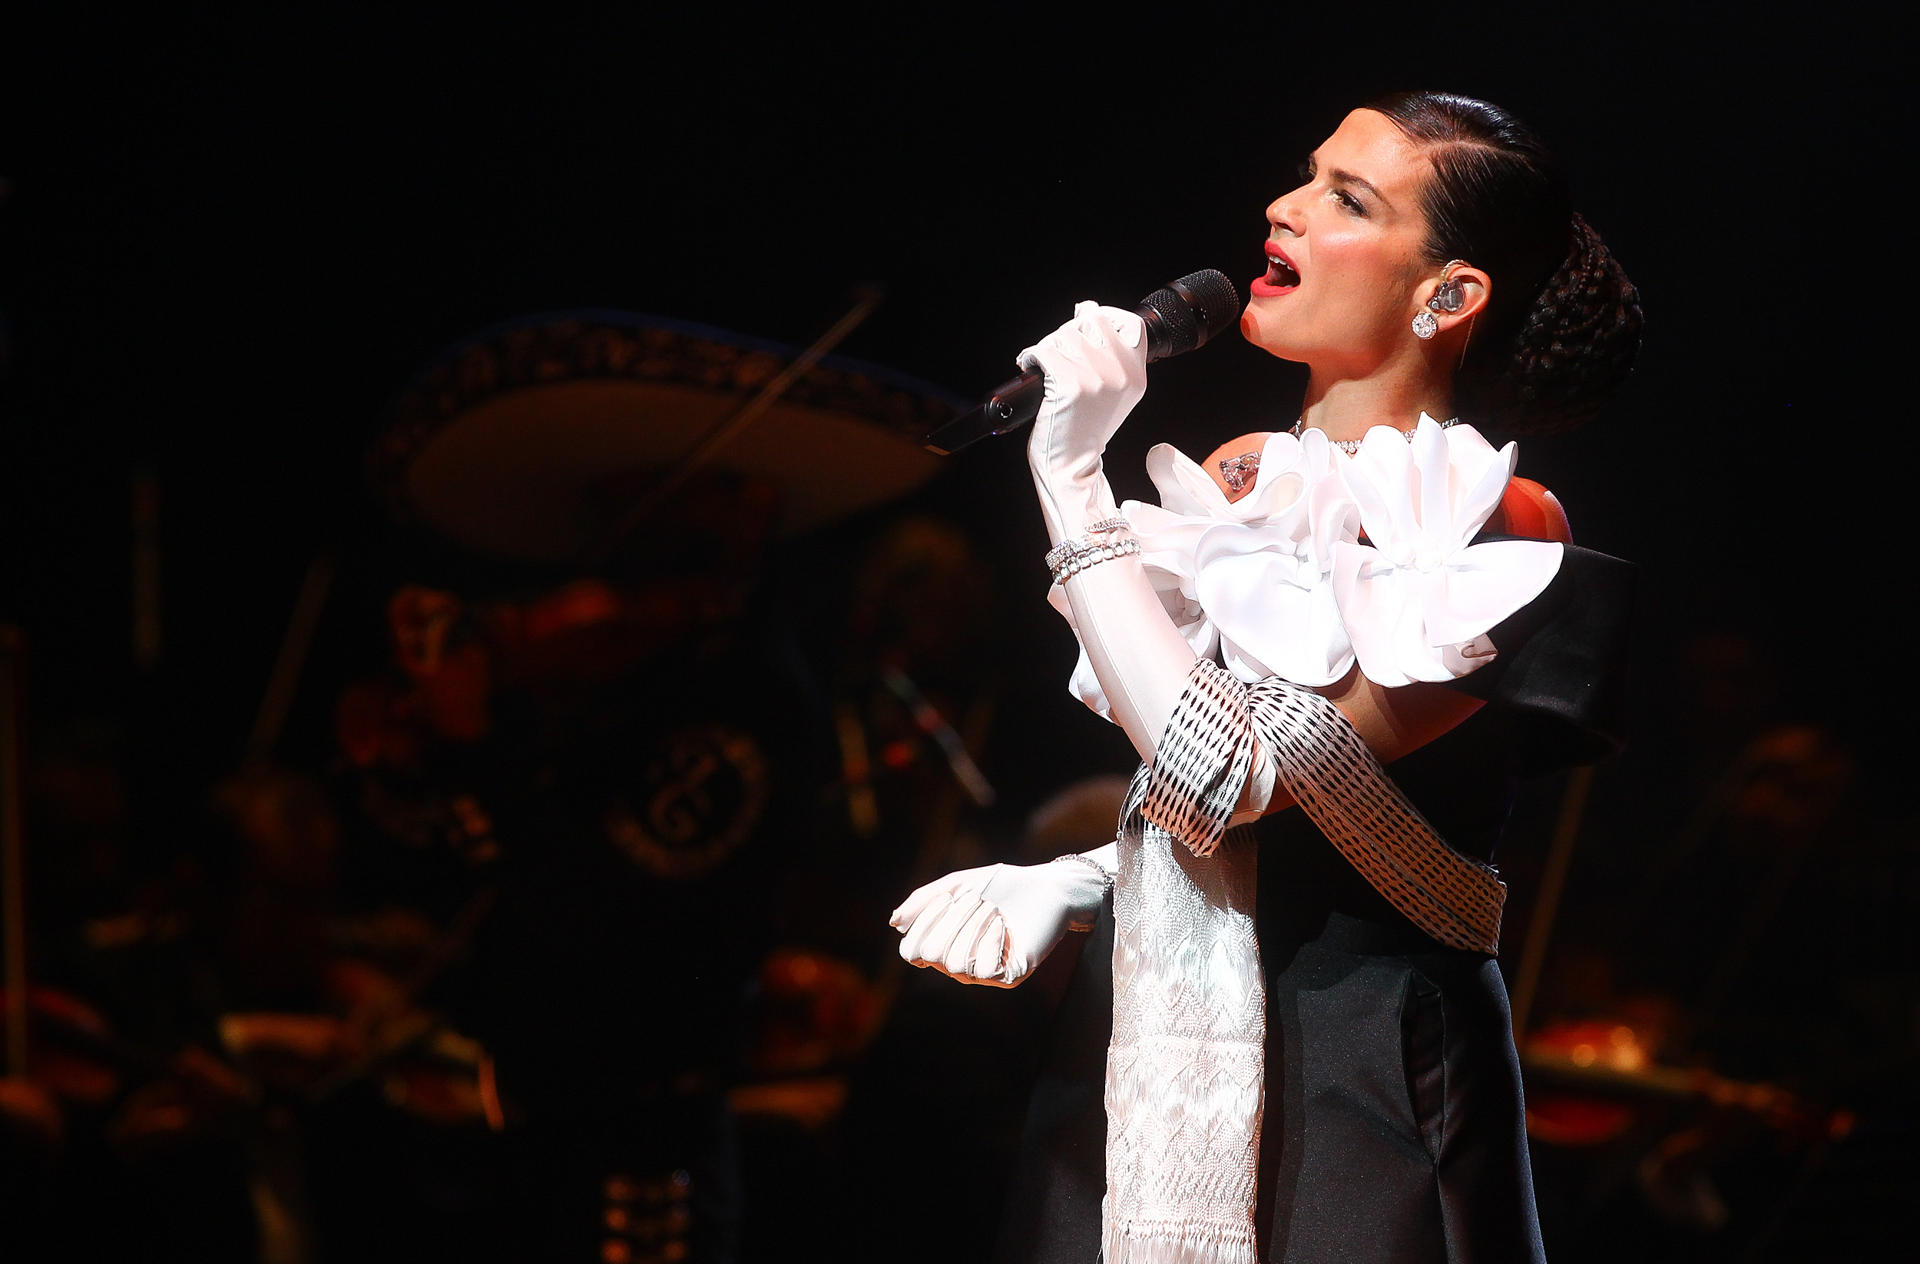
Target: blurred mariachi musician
[(1310, 1055), (624, 712)]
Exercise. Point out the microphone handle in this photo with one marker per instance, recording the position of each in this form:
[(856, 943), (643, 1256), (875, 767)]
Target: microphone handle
[(1012, 405), (1016, 402)]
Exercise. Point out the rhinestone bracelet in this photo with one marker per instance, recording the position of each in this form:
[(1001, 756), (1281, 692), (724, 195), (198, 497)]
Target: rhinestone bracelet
[(1074, 556), (1098, 868), (1061, 553), (1106, 526)]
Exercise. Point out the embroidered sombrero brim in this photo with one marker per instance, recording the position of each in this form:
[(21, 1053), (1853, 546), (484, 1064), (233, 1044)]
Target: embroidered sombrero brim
[(533, 440)]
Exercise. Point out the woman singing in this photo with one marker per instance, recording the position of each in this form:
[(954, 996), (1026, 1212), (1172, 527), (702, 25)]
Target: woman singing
[(1336, 647)]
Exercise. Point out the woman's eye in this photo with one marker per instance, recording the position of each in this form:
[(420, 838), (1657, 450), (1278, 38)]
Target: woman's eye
[(1349, 201)]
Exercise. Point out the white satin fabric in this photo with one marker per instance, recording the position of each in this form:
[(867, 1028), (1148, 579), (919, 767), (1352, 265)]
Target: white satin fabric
[(1333, 560)]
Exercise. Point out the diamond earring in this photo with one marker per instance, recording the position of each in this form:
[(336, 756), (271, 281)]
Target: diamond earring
[(1425, 326)]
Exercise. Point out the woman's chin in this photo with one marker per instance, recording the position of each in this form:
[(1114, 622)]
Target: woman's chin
[(1260, 330)]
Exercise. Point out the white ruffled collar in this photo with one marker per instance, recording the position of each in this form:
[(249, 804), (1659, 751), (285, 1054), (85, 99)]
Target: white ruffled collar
[(1334, 560)]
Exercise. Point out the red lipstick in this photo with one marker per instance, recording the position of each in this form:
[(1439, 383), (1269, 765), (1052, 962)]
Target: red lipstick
[(1281, 277)]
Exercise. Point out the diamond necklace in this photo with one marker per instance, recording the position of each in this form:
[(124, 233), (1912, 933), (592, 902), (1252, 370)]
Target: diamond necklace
[(1351, 446)]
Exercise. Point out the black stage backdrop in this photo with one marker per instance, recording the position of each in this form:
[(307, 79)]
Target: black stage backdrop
[(230, 236)]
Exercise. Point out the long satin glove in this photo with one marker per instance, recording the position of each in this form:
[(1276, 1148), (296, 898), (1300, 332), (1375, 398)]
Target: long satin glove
[(996, 924), (1096, 371)]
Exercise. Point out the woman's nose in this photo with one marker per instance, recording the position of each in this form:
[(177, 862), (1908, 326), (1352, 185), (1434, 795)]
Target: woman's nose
[(1281, 213)]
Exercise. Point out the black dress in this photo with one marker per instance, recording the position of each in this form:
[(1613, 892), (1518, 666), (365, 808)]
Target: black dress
[(1394, 1128)]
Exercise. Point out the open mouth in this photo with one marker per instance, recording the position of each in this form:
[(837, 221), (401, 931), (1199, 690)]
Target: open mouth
[(1280, 276)]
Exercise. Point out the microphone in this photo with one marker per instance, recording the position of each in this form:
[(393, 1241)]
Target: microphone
[(1180, 316)]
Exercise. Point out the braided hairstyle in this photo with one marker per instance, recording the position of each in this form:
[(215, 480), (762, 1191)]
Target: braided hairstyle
[(1561, 329)]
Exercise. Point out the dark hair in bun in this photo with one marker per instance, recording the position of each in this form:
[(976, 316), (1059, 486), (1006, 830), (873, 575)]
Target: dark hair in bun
[(1563, 324)]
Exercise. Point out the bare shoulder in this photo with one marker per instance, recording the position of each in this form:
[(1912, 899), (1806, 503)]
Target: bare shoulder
[(1532, 512)]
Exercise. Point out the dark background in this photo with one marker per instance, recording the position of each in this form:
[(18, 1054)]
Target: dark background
[(229, 238), (232, 237)]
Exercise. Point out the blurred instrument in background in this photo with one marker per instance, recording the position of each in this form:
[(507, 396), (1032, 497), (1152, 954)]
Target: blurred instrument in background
[(539, 439)]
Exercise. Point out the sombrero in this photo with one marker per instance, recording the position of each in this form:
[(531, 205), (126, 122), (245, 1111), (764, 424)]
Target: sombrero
[(534, 439)]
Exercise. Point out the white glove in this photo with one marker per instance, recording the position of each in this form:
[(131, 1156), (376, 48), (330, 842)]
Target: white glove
[(1096, 371), (995, 924)]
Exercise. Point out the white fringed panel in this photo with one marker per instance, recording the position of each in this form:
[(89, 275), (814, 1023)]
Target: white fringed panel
[(1185, 1069)]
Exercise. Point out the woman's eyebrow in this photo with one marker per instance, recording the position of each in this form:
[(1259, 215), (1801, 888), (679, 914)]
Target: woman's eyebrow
[(1347, 177)]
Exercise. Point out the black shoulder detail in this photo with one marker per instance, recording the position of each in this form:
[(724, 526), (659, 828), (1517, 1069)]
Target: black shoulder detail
[(1561, 663)]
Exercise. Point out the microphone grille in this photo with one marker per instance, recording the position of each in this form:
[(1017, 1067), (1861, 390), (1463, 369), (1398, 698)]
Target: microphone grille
[(1212, 299), (1178, 329)]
